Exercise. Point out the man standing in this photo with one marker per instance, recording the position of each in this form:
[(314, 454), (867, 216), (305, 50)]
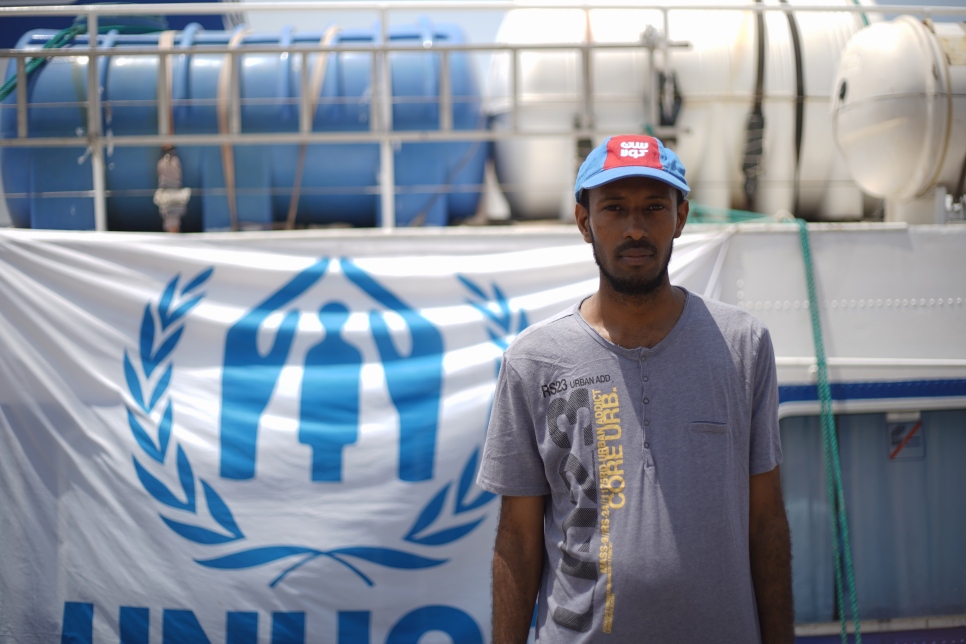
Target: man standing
[(634, 439)]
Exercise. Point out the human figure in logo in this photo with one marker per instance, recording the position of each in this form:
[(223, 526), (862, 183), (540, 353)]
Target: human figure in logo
[(329, 414), (634, 440), (414, 381), (250, 375)]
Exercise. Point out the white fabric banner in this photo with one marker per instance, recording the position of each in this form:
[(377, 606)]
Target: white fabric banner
[(263, 438)]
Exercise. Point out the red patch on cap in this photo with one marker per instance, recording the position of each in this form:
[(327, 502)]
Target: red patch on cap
[(623, 151)]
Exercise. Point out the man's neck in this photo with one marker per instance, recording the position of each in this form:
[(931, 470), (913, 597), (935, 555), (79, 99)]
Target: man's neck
[(633, 321)]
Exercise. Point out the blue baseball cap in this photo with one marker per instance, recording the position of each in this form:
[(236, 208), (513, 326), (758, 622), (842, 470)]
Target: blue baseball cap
[(630, 155)]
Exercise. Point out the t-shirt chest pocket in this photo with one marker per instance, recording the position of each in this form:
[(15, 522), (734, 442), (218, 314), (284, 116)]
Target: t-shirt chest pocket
[(708, 443), (710, 428), (707, 391)]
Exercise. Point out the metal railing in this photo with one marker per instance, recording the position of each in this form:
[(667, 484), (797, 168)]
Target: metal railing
[(381, 100)]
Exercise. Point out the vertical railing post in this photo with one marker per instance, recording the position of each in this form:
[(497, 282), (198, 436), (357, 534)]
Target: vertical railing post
[(306, 117), (94, 126), (164, 106), (21, 97), (514, 90), (387, 170), (587, 105), (375, 111), (666, 54), (445, 94), (584, 123), (653, 116)]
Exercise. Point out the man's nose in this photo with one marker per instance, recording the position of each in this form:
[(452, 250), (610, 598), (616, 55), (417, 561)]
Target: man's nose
[(636, 227)]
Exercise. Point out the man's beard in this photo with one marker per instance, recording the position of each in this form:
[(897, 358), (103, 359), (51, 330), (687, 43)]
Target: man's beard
[(638, 287)]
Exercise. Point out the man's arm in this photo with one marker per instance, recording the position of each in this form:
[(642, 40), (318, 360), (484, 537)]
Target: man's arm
[(771, 559), (517, 567)]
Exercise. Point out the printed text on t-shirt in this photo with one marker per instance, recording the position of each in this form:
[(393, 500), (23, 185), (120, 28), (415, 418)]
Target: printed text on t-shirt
[(560, 386), (611, 481)]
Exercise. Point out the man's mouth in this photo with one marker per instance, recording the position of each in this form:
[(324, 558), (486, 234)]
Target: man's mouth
[(635, 256), (635, 260), (637, 248)]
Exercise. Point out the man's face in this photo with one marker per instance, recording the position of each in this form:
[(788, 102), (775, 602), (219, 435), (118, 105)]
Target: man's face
[(631, 224)]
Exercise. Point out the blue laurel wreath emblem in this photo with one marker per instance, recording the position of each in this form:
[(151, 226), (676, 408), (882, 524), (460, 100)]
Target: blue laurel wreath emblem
[(503, 324), (162, 326)]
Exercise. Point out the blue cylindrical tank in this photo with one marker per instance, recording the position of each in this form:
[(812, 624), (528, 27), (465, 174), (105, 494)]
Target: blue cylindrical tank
[(436, 183)]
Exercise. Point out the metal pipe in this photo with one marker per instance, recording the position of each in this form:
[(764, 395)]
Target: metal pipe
[(305, 118), (164, 105), (21, 98), (514, 91), (543, 99), (652, 108), (436, 5), (282, 138), (445, 95), (374, 113), (95, 142), (387, 170), (587, 105), (224, 50), (666, 55)]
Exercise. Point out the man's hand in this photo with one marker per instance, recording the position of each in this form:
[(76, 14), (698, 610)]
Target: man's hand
[(517, 567), (771, 559)]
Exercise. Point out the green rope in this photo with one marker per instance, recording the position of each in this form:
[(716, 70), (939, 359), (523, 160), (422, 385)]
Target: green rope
[(702, 214), (59, 40), (865, 18), (841, 549), (64, 37)]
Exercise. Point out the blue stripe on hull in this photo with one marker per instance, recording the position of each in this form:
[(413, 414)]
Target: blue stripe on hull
[(876, 390)]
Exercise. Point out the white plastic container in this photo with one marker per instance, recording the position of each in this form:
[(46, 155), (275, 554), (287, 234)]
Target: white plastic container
[(716, 77), (900, 113)]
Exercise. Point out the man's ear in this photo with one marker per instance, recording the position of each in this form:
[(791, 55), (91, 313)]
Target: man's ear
[(583, 221), (683, 209)]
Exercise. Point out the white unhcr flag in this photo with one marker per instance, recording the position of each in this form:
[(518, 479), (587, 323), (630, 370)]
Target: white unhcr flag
[(242, 438)]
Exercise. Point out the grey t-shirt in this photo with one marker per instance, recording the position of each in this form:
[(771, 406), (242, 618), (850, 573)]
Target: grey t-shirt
[(646, 455)]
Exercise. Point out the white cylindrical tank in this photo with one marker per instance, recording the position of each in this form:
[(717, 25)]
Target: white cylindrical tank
[(900, 113), (716, 78)]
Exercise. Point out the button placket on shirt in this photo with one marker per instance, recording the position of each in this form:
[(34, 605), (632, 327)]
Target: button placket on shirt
[(645, 413)]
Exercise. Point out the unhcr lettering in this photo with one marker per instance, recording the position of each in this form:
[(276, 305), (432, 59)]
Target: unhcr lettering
[(353, 627)]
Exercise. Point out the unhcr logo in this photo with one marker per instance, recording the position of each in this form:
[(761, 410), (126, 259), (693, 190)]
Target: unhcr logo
[(329, 405), (258, 346)]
